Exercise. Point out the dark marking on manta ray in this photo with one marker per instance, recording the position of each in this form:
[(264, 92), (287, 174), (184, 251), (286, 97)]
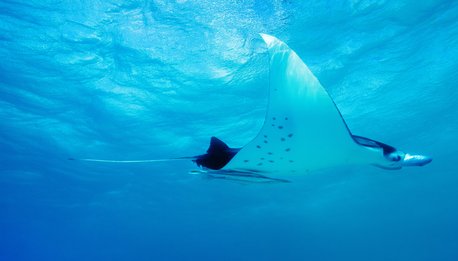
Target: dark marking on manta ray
[(273, 125), (283, 139), (265, 141), (290, 135), (291, 161), (286, 118), (260, 164), (288, 149), (271, 161), (246, 161), (257, 146), (270, 153), (265, 136), (262, 158), (280, 127), (273, 118)]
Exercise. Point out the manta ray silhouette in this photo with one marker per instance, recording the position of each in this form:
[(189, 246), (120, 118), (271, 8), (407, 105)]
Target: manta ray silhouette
[(303, 130)]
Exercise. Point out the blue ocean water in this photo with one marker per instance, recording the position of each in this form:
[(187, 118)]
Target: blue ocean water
[(153, 79)]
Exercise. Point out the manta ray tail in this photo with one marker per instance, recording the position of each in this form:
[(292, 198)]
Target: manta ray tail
[(218, 154), (134, 161)]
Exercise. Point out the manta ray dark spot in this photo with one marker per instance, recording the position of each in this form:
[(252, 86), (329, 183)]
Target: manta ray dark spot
[(270, 153), (291, 161), (273, 118), (286, 118), (288, 149), (265, 136), (271, 161), (283, 139), (262, 158), (265, 141), (245, 161), (290, 135), (257, 146), (280, 127), (259, 164), (273, 125)]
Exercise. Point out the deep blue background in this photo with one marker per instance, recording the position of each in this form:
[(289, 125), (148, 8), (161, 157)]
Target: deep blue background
[(154, 79)]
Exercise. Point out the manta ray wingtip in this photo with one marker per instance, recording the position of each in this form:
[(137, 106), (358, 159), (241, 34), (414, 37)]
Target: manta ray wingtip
[(268, 39)]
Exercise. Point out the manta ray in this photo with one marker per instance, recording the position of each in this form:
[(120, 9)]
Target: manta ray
[(303, 131)]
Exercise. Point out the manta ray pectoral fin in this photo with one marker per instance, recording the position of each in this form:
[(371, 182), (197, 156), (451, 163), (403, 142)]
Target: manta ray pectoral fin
[(303, 129)]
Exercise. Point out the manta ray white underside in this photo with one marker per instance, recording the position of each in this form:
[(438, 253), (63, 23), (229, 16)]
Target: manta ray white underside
[(303, 129)]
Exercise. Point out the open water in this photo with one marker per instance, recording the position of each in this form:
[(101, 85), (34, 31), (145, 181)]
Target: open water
[(156, 79)]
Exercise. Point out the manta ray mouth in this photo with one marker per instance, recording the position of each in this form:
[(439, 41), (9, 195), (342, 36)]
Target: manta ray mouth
[(416, 160)]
